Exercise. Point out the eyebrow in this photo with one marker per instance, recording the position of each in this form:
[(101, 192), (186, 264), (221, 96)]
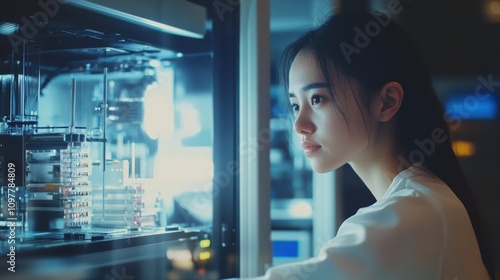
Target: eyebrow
[(311, 86)]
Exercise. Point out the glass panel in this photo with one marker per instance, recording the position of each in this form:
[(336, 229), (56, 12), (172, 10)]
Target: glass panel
[(120, 148), (110, 127), (158, 132)]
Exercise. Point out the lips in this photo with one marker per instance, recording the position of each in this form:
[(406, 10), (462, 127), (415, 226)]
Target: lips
[(310, 147)]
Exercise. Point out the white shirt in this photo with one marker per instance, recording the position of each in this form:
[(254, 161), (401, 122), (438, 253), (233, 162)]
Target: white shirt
[(418, 230)]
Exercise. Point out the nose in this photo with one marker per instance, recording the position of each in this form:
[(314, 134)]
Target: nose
[(303, 124)]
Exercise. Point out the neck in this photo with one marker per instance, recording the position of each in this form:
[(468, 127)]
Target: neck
[(379, 164)]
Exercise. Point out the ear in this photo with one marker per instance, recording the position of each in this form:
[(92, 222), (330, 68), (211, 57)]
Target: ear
[(388, 101)]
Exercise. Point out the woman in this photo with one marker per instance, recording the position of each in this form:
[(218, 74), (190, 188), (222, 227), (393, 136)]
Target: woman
[(361, 95)]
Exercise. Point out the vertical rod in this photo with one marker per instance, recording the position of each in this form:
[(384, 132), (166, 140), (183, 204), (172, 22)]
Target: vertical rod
[(23, 83), (104, 121), (73, 106), (13, 87), (71, 144), (132, 163), (104, 114), (38, 86), (254, 115)]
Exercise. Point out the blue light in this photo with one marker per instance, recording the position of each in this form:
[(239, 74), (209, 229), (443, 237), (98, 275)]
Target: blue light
[(471, 107), (8, 28), (289, 248)]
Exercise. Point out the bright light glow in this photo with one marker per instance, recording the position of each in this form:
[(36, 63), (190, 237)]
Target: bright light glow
[(300, 209), (154, 63), (469, 107), (187, 168), (153, 86), (205, 255), (154, 114), (179, 255), (158, 101), (495, 7), (464, 148), (189, 119), (205, 243), (8, 28)]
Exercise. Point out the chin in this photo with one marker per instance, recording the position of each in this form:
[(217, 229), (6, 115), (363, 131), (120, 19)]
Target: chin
[(323, 168), (318, 168)]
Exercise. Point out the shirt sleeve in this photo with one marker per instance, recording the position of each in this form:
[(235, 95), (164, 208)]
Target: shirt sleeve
[(399, 237)]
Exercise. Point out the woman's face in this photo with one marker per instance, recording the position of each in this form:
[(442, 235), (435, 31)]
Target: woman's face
[(330, 137)]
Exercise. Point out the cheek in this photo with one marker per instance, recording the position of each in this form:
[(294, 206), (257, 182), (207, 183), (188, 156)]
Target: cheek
[(362, 132), (350, 131), (336, 129)]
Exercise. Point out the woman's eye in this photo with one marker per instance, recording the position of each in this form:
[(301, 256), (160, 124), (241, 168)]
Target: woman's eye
[(316, 99), (295, 108)]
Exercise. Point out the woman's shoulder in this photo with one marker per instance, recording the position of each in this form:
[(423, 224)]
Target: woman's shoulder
[(416, 181), (417, 229), (417, 202), (418, 206)]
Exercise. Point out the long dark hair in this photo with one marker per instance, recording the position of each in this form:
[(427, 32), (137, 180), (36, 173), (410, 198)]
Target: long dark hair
[(373, 50)]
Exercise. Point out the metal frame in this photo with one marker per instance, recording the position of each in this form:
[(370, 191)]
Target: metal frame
[(255, 138)]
